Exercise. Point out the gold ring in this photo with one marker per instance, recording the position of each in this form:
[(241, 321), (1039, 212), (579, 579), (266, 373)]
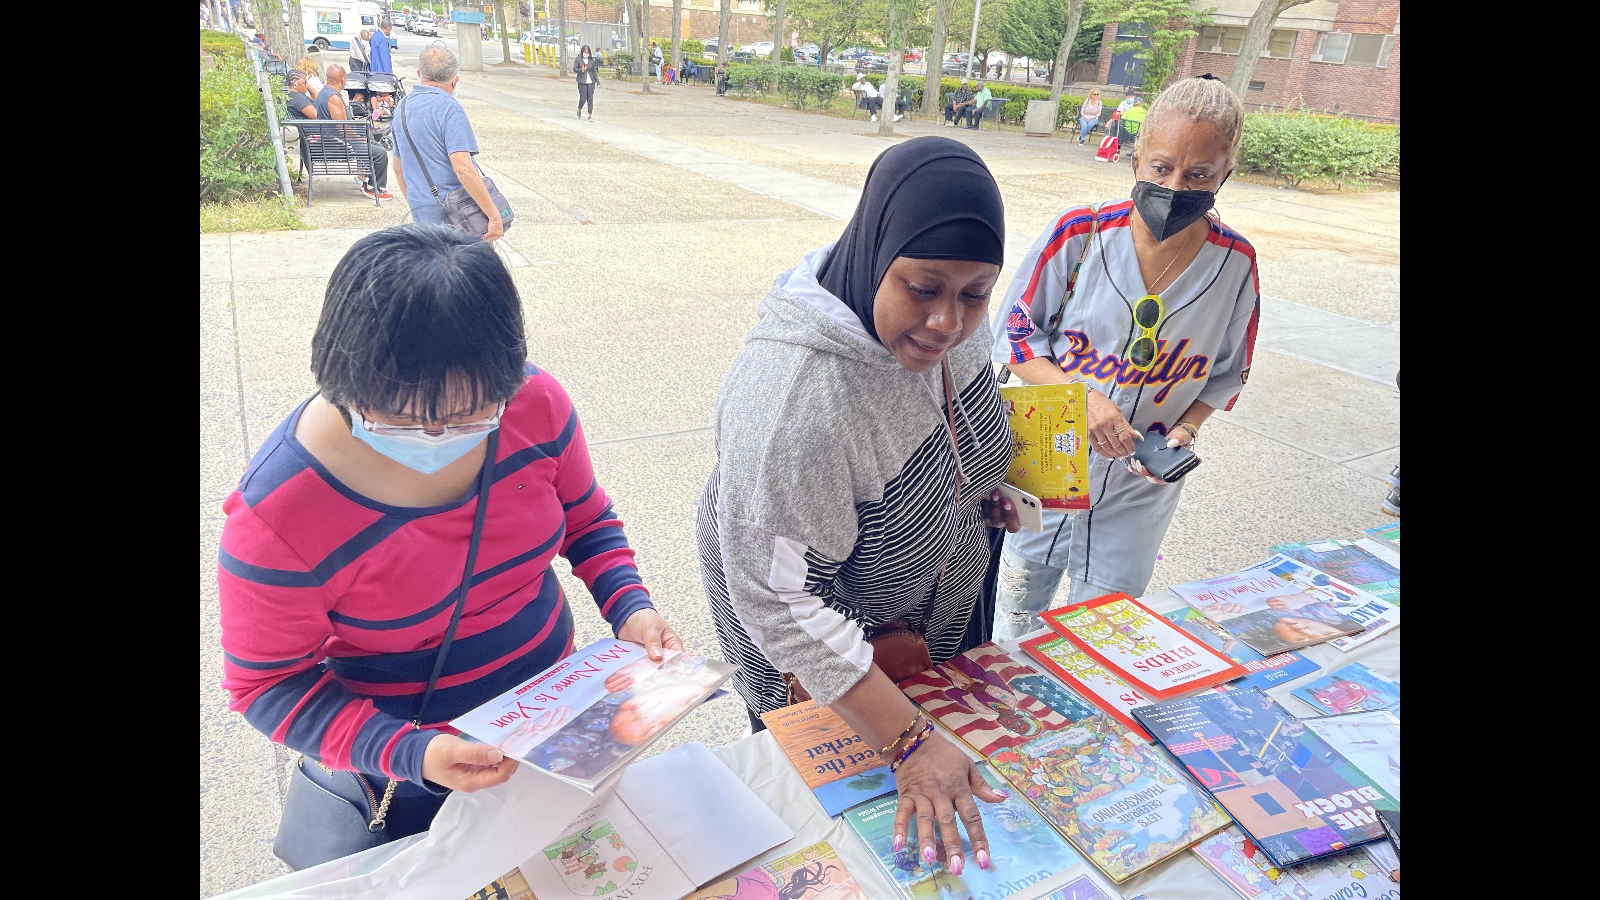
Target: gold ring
[(1118, 431)]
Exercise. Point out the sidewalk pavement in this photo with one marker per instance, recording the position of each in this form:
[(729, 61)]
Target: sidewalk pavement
[(644, 241)]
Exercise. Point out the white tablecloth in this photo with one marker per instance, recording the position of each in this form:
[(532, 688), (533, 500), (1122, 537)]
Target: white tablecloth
[(761, 765)]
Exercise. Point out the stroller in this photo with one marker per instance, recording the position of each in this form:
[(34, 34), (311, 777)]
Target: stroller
[(383, 90), (1118, 139)]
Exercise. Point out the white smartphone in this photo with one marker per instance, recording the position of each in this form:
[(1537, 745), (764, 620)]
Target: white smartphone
[(1029, 512)]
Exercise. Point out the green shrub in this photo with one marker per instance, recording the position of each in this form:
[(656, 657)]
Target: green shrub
[(222, 45), (236, 158), (747, 80), (802, 86), (692, 47), (1299, 145), (786, 54)]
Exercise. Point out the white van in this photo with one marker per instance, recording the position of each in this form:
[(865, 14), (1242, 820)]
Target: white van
[(330, 24)]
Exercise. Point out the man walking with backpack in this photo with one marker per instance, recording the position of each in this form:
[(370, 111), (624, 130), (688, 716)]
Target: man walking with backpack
[(440, 145)]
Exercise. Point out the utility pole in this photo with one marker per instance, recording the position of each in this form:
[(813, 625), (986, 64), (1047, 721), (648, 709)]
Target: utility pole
[(972, 46)]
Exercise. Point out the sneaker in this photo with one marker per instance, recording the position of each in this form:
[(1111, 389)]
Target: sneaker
[(898, 116), (580, 115), (874, 117), (591, 118), (381, 194)]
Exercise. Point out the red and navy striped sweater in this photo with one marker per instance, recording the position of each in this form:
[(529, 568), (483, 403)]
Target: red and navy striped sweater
[(333, 605)]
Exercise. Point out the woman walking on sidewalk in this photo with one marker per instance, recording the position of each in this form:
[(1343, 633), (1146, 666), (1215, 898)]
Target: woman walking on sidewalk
[(587, 70)]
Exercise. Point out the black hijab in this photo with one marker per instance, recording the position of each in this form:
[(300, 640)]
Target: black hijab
[(928, 198)]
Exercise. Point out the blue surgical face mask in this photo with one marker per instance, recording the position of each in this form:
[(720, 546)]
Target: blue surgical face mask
[(427, 454)]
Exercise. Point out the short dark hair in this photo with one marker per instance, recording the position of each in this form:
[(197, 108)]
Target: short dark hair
[(419, 313)]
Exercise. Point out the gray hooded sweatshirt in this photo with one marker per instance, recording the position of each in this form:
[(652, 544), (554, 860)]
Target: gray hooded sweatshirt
[(833, 503)]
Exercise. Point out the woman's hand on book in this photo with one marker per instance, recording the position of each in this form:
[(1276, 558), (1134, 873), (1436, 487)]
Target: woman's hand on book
[(937, 784), (648, 628), (463, 765)]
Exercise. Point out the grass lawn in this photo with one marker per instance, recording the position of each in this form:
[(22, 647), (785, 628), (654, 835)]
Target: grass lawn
[(268, 214)]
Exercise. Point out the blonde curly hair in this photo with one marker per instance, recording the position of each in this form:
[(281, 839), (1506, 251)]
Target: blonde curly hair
[(308, 66)]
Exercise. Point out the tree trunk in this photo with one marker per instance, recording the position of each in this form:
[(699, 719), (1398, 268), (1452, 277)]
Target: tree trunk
[(891, 83), (561, 38), (505, 33), (296, 30), (777, 34), (677, 32), (1256, 37), (1058, 68), (644, 44), (722, 31), (269, 16), (933, 65)]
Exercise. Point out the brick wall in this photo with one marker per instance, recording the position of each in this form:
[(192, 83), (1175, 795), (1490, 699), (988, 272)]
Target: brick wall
[(701, 23)]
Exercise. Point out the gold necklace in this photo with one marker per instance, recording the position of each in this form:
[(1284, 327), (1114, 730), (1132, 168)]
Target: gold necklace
[(1152, 291)]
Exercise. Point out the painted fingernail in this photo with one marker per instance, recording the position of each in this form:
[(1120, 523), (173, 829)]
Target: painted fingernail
[(1006, 504), (1004, 795), (899, 842), (928, 854), (955, 865), (983, 859)]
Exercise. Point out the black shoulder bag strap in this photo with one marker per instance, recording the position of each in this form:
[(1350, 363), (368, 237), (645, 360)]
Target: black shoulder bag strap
[(485, 482), (400, 114)]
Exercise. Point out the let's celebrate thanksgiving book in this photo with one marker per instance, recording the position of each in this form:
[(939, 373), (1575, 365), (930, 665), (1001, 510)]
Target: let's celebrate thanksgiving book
[(587, 716)]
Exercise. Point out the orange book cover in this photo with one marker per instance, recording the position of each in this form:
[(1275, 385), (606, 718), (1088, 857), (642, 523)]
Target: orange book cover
[(837, 764)]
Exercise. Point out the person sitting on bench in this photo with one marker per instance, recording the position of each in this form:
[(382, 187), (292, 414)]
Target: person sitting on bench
[(958, 104), (980, 105)]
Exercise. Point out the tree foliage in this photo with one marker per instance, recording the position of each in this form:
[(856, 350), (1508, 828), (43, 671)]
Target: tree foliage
[(831, 24), (1166, 24)]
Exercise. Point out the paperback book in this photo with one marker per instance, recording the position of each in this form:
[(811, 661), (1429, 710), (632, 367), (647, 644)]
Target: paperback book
[(1377, 616), (587, 716), (674, 821), (1297, 797), (1088, 677), (1118, 800), (1354, 688), (992, 701), (1349, 563), (1369, 740), (815, 873), (1241, 865), (1049, 443), (1265, 671), (1142, 648), (837, 764), (1269, 612), (1386, 534), (1025, 852)]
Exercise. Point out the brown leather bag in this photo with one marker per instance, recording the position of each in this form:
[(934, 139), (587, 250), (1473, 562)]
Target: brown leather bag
[(899, 647)]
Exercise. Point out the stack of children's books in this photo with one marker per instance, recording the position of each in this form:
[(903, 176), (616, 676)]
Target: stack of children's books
[(1127, 737)]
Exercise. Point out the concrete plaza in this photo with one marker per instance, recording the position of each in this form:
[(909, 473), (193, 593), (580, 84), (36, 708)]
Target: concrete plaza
[(644, 241)]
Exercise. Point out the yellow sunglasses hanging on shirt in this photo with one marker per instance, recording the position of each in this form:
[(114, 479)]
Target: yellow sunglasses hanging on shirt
[(1147, 315)]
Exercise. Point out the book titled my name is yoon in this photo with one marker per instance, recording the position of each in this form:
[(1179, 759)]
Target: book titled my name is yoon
[(587, 716)]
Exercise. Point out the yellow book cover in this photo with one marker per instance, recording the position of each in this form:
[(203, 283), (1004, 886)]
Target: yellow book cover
[(1049, 443)]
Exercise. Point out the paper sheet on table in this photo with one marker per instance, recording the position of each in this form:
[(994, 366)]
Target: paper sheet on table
[(475, 839)]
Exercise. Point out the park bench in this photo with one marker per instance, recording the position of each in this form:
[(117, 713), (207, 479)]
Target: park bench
[(992, 110), (334, 147)]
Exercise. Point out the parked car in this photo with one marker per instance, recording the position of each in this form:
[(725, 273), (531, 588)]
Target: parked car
[(711, 48), (397, 19), (760, 48), (873, 63), (426, 27)]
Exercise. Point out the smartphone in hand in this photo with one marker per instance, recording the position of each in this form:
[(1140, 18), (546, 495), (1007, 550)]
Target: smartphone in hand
[(1029, 512)]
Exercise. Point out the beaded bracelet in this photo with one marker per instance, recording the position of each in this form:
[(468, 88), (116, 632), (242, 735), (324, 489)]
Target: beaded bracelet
[(904, 732), (911, 748), (1193, 429)]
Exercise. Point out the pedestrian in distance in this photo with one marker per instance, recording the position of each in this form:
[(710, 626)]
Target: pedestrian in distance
[(427, 415), (378, 47), (1089, 115), (722, 78), (655, 61), (445, 144), (330, 105), (588, 72), (361, 51), (861, 446), (1152, 303)]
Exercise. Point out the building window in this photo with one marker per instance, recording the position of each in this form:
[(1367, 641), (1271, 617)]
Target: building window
[(1354, 49), (1258, 85), (1220, 39)]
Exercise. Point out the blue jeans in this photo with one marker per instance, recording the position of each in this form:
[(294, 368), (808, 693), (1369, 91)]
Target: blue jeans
[(1024, 590), (1085, 127)]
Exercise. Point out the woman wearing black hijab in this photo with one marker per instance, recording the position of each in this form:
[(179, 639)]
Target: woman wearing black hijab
[(860, 440)]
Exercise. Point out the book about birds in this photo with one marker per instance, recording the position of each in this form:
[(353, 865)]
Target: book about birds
[(1049, 443), (1297, 797), (838, 765), (1142, 648), (1265, 671)]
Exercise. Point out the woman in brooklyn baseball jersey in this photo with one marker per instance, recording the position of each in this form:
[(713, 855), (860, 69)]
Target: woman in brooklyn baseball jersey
[(1161, 326)]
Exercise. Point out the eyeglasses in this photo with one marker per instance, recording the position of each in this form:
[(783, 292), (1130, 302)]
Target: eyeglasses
[(419, 433), (1147, 314)]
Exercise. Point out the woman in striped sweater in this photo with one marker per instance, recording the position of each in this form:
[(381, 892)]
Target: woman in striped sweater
[(347, 537), (860, 441)]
